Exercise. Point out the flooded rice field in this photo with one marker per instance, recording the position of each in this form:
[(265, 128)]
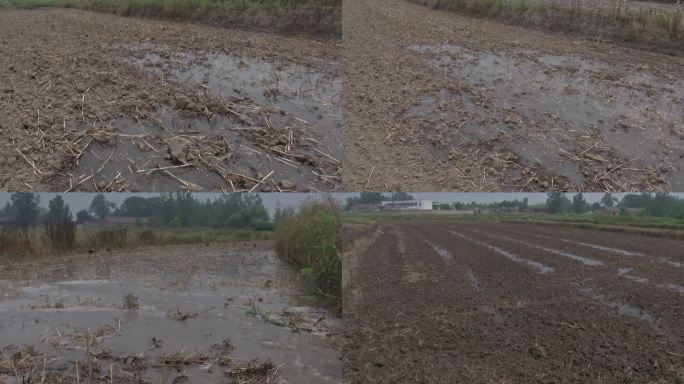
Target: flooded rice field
[(175, 314), (514, 303), (581, 122)]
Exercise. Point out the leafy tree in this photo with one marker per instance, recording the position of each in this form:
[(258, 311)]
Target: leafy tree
[(579, 204), (400, 196), (83, 216), (57, 210), (281, 214), (659, 204), (365, 198), (608, 200), (100, 207), (136, 206), (26, 208), (558, 202)]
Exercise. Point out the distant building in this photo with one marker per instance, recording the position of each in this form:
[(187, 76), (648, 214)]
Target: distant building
[(537, 208), (475, 211), (8, 222), (119, 221), (407, 205), (613, 211), (504, 210)]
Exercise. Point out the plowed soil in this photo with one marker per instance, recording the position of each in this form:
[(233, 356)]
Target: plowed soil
[(435, 101), (450, 302), (92, 101)]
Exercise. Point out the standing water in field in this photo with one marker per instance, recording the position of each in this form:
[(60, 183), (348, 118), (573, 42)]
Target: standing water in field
[(586, 121), (155, 313)]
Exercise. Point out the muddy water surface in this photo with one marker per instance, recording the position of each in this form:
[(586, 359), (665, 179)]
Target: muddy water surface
[(589, 121), (280, 128), (52, 305)]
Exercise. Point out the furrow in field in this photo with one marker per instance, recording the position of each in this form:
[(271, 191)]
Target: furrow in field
[(668, 251), (660, 299), (542, 268), (651, 268)]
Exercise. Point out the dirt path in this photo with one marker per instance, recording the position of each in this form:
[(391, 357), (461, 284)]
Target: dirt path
[(92, 101), (449, 302), (230, 312), (470, 104)]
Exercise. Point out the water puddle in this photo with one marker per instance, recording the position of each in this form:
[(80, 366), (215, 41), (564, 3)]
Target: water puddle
[(643, 280), (617, 251), (581, 259), (580, 117), (244, 124), (311, 94), (542, 268), (472, 279), (443, 253), (189, 154), (623, 309), (157, 313), (602, 248)]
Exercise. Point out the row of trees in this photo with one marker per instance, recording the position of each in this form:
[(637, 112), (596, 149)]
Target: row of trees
[(653, 204), (658, 204), (181, 209)]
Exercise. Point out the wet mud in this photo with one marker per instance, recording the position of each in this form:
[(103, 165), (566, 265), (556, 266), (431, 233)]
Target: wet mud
[(127, 104), (590, 123), (472, 104), (491, 315), (157, 314)]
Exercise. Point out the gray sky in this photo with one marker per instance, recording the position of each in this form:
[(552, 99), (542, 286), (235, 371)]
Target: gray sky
[(79, 201)]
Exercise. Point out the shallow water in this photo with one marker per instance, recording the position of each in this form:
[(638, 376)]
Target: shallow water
[(623, 309), (565, 99), (308, 93), (217, 285), (541, 268), (275, 104)]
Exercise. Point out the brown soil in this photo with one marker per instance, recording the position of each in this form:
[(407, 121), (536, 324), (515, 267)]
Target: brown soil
[(469, 104), (446, 302), (76, 113), (310, 19)]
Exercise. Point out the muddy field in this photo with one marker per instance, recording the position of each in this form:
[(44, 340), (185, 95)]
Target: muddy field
[(229, 313), (96, 102), (445, 302), (470, 104)]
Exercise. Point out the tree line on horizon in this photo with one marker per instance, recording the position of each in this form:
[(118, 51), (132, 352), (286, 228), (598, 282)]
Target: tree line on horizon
[(179, 209), (653, 204)]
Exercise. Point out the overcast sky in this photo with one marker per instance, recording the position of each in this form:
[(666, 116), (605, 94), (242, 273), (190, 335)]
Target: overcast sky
[(79, 201)]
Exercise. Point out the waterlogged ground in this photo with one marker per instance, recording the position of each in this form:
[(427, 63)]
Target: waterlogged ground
[(204, 318), (450, 302), (587, 122), (470, 104), (113, 104)]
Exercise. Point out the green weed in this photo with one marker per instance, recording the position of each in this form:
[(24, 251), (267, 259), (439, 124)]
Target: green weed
[(311, 241)]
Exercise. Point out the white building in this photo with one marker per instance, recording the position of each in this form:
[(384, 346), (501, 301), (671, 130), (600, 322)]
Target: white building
[(407, 205)]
